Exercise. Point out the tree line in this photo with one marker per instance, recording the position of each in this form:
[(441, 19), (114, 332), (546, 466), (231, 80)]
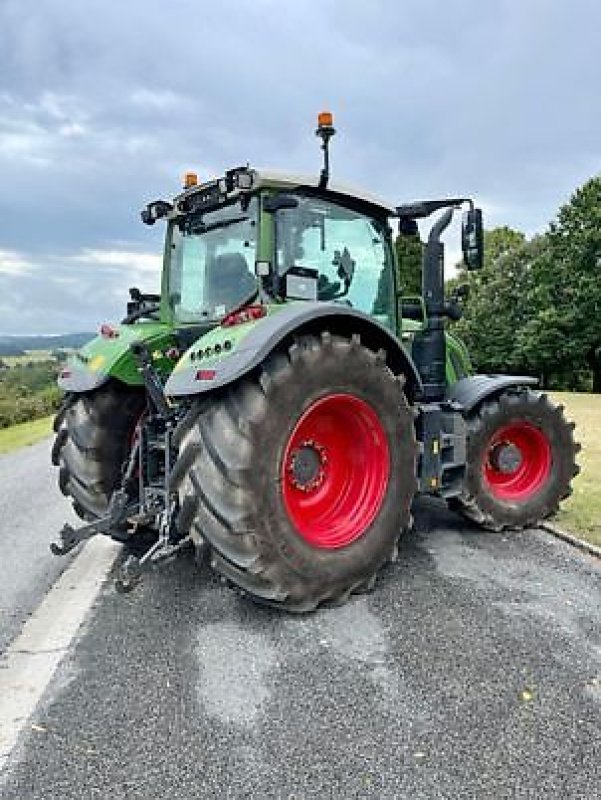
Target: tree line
[(535, 307)]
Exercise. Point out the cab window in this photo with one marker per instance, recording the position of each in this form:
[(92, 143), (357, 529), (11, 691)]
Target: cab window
[(347, 249)]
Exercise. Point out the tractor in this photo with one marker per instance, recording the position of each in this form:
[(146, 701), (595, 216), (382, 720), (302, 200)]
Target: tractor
[(280, 404)]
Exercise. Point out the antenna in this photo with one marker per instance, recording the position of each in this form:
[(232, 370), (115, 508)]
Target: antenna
[(325, 131)]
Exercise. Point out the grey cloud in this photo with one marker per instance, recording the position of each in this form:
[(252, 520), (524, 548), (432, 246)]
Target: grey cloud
[(74, 293), (103, 105)]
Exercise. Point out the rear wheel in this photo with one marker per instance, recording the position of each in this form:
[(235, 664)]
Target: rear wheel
[(94, 434), (301, 479), (520, 461)]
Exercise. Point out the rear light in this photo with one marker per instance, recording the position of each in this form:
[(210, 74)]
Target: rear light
[(65, 373), (108, 332), (247, 314), (205, 374)]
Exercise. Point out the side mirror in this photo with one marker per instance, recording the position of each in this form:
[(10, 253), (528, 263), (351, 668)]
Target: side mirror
[(277, 202), (472, 239)]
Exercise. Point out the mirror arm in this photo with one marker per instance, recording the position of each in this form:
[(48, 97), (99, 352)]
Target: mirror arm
[(423, 208)]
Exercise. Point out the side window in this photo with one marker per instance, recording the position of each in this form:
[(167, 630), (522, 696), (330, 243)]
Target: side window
[(192, 253), (348, 250), (212, 264)]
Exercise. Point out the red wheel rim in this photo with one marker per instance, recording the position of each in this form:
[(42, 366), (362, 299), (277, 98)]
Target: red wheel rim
[(335, 471), (517, 462)]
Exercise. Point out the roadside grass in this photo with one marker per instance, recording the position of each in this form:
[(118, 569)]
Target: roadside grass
[(25, 433), (581, 513)]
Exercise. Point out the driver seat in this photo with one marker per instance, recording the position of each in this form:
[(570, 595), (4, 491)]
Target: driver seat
[(230, 280)]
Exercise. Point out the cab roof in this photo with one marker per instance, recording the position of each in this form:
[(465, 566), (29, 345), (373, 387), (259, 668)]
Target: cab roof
[(267, 178), (248, 180)]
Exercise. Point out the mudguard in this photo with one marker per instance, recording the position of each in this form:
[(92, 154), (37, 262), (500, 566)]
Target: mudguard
[(225, 354), (469, 392), (109, 356)]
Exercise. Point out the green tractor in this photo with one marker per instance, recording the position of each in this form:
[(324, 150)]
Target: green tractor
[(280, 405)]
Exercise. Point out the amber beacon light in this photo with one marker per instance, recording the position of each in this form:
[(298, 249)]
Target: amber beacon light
[(190, 179), (325, 131)]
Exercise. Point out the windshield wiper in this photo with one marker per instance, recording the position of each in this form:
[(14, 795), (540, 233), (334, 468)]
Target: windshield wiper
[(211, 226)]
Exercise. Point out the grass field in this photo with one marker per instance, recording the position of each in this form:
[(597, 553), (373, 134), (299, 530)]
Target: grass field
[(581, 514), (27, 357), (24, 434)]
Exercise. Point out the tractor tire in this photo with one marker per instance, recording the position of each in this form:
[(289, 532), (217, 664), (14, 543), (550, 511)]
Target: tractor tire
[(300, 479), (93, 437), (520, 461)]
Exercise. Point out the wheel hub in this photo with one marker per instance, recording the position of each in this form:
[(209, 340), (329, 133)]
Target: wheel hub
[(505, 457), (335, 470), (306, 466), (518, 461)]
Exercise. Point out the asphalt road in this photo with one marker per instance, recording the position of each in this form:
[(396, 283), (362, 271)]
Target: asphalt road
[(472, 671), (31, 511)]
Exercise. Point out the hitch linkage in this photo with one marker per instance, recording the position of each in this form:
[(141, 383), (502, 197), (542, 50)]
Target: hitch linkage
[(119, 511), (154, 504)]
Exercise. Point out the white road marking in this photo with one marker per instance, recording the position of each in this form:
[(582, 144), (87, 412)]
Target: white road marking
[(30, 662)]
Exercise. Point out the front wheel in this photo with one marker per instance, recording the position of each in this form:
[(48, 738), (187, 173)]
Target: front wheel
[(520, 461), (300, 479)]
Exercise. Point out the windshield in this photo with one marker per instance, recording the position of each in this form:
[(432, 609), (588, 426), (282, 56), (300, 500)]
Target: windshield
[(347, 249), (212, 265)]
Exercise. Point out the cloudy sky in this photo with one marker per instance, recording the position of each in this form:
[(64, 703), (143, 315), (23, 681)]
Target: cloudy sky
[(103, 105)]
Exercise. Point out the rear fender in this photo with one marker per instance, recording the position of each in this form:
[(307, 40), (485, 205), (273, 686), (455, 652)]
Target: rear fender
[(226, 354)]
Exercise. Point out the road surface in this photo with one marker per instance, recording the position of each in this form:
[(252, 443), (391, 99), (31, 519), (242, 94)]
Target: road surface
[(472, 671), (31, 509)]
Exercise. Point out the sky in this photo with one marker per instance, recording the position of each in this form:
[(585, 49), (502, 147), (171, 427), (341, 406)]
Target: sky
[(104, 105)]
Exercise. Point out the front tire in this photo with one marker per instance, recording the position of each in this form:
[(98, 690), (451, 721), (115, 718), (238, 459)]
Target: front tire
[(301, 479), (94, 433), (520, 461)]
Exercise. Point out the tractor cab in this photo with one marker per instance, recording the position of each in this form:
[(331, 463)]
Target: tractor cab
[(257, 236), (261, 238)]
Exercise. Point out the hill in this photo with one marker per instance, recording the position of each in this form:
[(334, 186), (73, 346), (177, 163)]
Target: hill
[(17, 345)]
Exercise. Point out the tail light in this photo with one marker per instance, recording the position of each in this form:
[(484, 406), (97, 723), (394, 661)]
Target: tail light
[(242, 315), (205, 375)]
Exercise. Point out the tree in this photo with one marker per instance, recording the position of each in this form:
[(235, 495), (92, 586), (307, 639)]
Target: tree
[(409, 252), (498, 304), (566, 324)]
